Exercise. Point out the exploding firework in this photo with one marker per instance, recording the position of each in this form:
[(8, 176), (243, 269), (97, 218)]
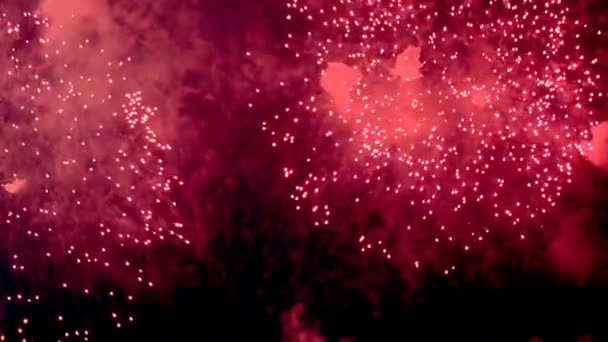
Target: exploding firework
[(87, 189), (457, 118)]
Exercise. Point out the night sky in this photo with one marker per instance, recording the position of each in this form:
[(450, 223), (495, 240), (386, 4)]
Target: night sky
[(304, 170)]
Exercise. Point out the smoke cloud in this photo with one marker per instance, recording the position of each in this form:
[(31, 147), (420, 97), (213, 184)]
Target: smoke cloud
[(599, 152)]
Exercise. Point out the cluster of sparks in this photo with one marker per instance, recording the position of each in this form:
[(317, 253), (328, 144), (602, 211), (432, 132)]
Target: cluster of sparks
[(464, 115), (87, 188)]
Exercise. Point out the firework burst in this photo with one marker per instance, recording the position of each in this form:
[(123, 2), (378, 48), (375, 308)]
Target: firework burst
[(87, 190), (458, 117)]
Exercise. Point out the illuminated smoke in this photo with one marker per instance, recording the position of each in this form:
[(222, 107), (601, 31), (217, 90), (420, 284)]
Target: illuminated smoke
[(295, 329), (15, 186), (599, 152), (338, 80), (89, 188), (407, 67)]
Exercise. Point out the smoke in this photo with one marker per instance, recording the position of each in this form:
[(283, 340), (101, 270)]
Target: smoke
[(573, 252), (92, 106), (295, 329), (15, 186), (598, 155), (156, 54), (70, 18), (408, 64), (359, 103), (338, 80)]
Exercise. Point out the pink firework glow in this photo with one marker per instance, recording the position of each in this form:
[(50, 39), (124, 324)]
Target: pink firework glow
[(459, 118), (87, 189)]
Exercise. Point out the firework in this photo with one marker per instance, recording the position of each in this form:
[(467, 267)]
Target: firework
[(458, 118), (87, 188)]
